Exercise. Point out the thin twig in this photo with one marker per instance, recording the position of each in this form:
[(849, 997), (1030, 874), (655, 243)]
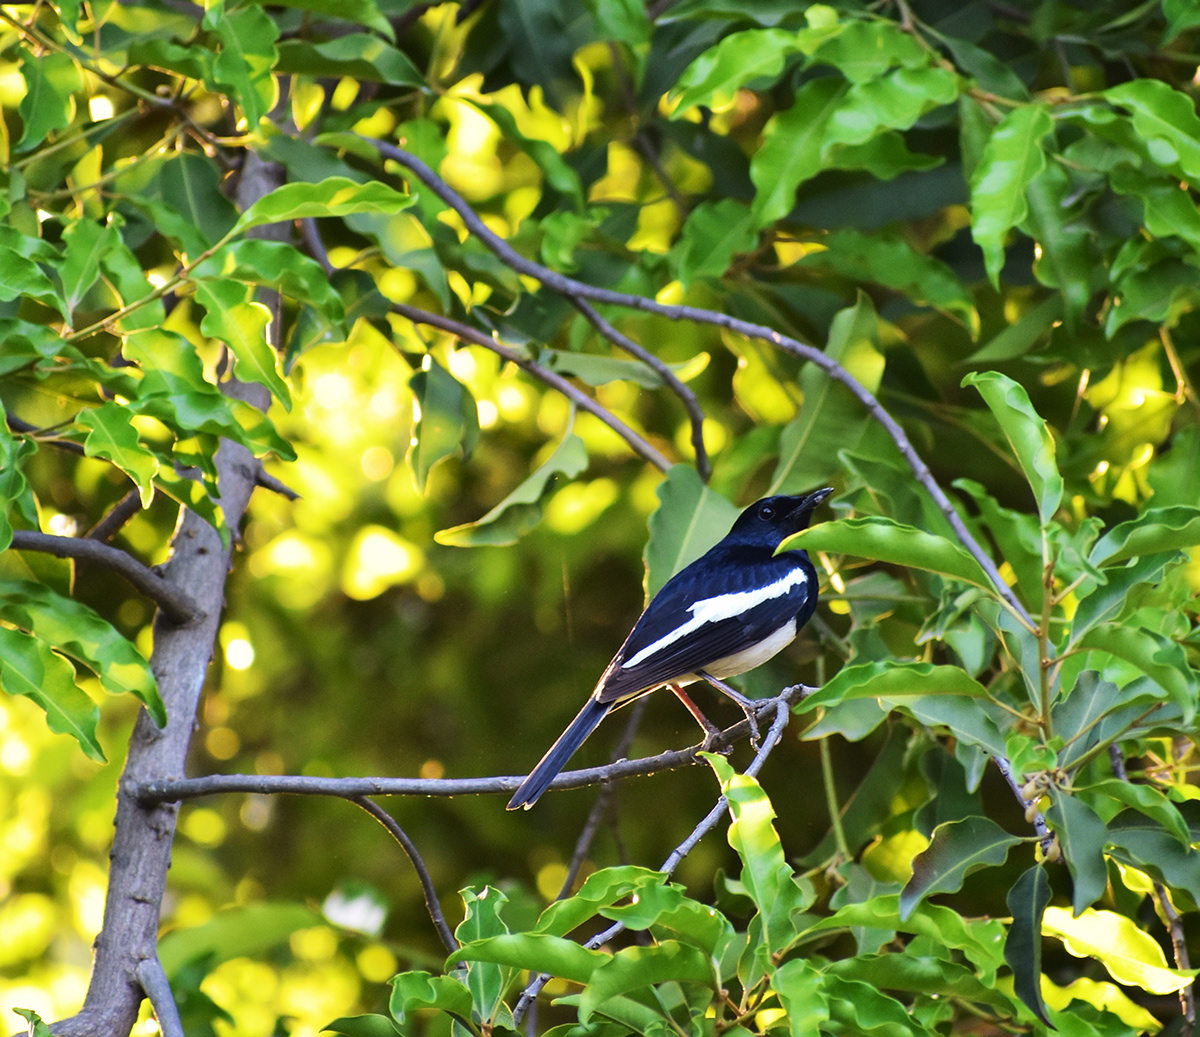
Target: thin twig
[(120, 513), (468, 334), (688, 398), (573, 289), (176, 606), (19, 425), (1162, 899), (781, 704), (151, 792), (431, 898), (153, 978), (1014, 783), (312, 238)]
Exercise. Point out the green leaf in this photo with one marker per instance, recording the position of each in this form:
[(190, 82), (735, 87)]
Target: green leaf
[(413, 991), (23, 278), (713, 234), (891, 102), (37, 1028), (1159, 658), (75, 630), (689, 520), (1140, 842), (1082, 835), (1028, 436), (800, 988), (1130, 955), (334, 196), (1147, 800), (791, 151), (362, 57), (1166, 120), (28, 667), (191, 493), (363, 1026), (87, 243), (1019, 337), (192, 207), (246, 58), (831, 418), (600, 370), (113, 438), (601, 889), (1101, 601), (637, 967), (956, 849), (234, 318), (714, 78), (880, 538), (274, 264), (1027, 902), (1011, 159), (892, 679), (668, 907), (51, 78), (486, 980), (864, 50), (1155, 530), (1067, 260), (1078, 717), (863, 1009), (558, 173), (445, 421), (538, 952)]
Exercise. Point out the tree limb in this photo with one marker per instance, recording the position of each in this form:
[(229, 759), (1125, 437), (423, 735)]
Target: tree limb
[(175, 790), (153, 978), (177, 605), (120, 513)]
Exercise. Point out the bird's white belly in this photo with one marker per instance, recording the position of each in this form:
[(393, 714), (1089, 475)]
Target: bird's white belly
[(748, 658)]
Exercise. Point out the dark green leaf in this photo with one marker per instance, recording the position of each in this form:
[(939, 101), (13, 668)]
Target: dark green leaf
[(1023, 948), (51, 78), (246, 58), (1155, 530), (713, 234), (87, 243), (445, 420), (890, 680), (1159, 658), (1082, 835), (634, 968), (800, 988), (956, 849), (363, 1026), (363, 57)]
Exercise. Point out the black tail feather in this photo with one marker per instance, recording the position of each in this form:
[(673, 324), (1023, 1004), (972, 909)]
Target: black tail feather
[(559, 753)]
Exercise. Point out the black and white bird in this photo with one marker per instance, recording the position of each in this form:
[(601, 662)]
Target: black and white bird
[(729, 611)]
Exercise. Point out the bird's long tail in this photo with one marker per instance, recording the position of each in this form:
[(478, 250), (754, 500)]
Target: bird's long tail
[(559, 753)]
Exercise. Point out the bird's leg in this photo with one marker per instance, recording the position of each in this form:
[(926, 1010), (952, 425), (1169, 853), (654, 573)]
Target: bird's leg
[(710, 729), (749, 706)]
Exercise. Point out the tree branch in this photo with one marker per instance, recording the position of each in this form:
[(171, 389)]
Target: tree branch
[(175, 790), (573, 289), (177, 605), (431, 898), (153, 977), (556, 381), (120, 513)]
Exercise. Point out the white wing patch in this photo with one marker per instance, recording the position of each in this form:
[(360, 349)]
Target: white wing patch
[(714, 610)]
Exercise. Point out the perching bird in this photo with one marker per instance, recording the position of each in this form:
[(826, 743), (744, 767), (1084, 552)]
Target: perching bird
[(729, 611)]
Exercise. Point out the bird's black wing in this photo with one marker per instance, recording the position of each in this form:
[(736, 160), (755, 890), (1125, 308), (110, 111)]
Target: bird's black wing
[(695, 621)]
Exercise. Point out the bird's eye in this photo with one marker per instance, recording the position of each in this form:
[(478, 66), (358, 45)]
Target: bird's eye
[(766, 513)]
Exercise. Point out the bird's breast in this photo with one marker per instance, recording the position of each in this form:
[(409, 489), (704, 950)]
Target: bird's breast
[(756, 654)]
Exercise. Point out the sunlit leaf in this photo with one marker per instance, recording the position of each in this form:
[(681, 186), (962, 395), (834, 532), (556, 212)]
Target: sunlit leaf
[(112, 437), (51, 78), (634, 968), (246, 58), (334, 196), (1155, 530), (538, 952), (235, 319), (891, 680), (87, 243), (1130, 955), (800, 989), (690, 519), (28, 667), (714, 78), (412, 991), (880, 538)]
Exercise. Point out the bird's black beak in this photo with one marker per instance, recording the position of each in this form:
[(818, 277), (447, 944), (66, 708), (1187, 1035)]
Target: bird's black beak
[(805, 505)]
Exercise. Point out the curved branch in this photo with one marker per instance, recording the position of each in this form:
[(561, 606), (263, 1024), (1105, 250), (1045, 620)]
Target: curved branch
[(468, 334), (573, 289), (431, 898), (120, 513), (153, 792), (177, 606)]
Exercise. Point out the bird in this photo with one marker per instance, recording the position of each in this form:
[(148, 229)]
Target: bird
[(729, 611)]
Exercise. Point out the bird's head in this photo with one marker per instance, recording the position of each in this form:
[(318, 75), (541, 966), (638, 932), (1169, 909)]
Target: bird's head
[(772, 520)]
